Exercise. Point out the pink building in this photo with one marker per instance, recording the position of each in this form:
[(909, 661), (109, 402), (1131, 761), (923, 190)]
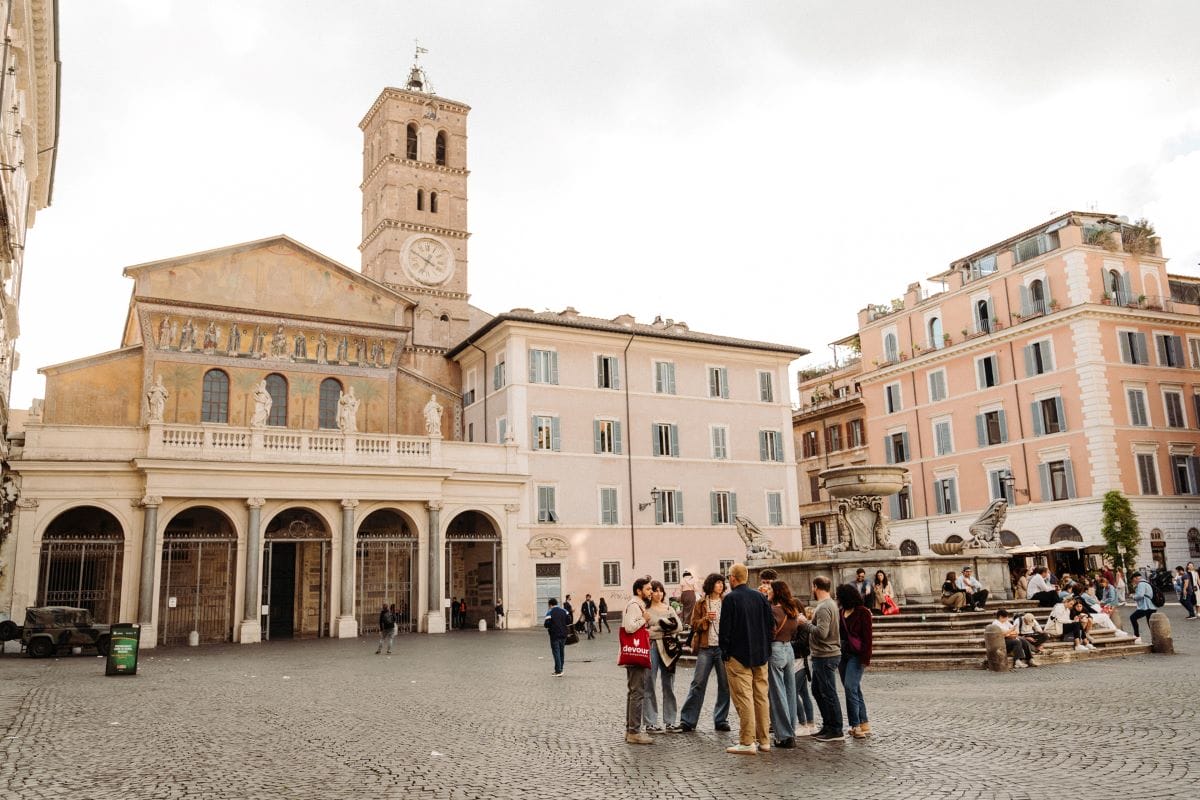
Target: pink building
[(1055, 365)]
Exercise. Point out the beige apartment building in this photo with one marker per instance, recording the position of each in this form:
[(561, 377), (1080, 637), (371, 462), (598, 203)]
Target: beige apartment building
[(1055, 365)]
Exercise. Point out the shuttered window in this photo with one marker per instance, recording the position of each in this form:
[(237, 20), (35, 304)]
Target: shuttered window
[(606, 434), (1147, 473), (664, 377), (608, 506), (546, 433), (718, 382), (607, 376), (1137, 407), (770, 446), (941, 437), (543, 366), (722, 507), (774, 508), (1133, 347), (665, 439), (937, 385), (546, 511)]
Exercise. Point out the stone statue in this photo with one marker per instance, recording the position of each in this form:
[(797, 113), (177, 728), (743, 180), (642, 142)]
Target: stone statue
[(278, 343), (758, 546), (187, 338), (348, 412), (262, 405), (235, 340), (360, 351), (210, 336), (861, 524), (322, 349), (164, 333), (343, 349), (174, 332), (301, 346), (377, 353), (985, 531), (433, 416), (156, 400)]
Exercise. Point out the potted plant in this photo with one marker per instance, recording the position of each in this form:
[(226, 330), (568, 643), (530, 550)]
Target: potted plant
[(946, 338), (996, 324), (1141, 301), (1106, 299), (1053, 304), (964, 333)]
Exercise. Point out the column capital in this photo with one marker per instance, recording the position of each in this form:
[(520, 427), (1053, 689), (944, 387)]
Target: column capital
[(150, 500), (255, 502), (512, 508), (27, 502), (348, 503), (434, 505)]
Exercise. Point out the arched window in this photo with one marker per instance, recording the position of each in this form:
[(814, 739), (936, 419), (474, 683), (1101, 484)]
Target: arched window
[(1193, 537), (983, 316), (440, 153), (954, 538), (420, 199), (278, 389), (331, 392), (1065, 533), (214, 404), (891, 351), (433, 202), (410, 150), (936, 340), (1037, 294)]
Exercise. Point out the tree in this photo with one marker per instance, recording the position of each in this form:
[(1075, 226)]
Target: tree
[(1120, 531)]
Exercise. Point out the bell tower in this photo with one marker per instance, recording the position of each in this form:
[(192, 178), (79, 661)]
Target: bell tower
[(415, 204)]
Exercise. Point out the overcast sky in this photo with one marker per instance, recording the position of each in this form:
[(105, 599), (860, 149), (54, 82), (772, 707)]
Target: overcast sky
[(756, 169)]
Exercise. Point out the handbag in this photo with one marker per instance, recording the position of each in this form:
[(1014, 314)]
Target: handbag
[(890, 608), (635, 648), (572, 636)]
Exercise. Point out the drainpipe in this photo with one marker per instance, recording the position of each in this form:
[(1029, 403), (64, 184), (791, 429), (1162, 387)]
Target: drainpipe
[(486, 422), (629, 455)]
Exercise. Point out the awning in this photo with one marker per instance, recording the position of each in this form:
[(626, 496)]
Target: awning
[(1046, 548)]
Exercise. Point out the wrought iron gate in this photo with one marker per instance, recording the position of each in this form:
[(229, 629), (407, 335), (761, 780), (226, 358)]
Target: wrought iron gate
[(384, 573), (84, 571), (197, 592)]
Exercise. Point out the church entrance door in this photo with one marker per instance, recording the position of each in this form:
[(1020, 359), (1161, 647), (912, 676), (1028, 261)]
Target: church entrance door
[(385, 571), (199, 563), (296, 576), (473, 568)]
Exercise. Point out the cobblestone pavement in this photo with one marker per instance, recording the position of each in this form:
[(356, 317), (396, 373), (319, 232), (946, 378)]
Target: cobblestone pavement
[(477, 715)]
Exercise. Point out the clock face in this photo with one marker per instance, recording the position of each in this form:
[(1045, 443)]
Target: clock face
[(429, 261)]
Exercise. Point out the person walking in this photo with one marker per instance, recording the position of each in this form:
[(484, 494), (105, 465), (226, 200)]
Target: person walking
[(824, 641), (687, 595), (1119, 585), (636, 617), (706, 627), (806, 721), (747, 627), (664, 623), (570, 609), (557, 622), (1185, 590), (387, 629), (602, 616), (855, 633), (781, 673), (1143, 598), (588, 612)]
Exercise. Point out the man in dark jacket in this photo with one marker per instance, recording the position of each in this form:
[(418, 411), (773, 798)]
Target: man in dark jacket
[(588, 612), (387, 629), (557, 622), (746, 629)]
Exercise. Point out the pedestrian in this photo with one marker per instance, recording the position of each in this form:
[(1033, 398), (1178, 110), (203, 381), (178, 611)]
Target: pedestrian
[(824, 640), (976, 595), (453, 613), (1185, 590), (747, 626), (883, 595), (602, 618), (687, 595), (462, 612), (781, 672), (664, 624), (806, 721), (1143, 598), (1031, 631), (1119, 584), (706, 628), (636, 617), (1039, 588), (557, 623), (952, 599), (588, 612), (499, 615), (387, 629), (570, 609), (855, 628), (765, 576)]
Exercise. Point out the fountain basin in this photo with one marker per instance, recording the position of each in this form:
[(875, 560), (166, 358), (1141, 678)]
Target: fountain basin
[(879, 480)]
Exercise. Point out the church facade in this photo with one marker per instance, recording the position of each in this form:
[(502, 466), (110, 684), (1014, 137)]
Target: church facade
[(283, 445)]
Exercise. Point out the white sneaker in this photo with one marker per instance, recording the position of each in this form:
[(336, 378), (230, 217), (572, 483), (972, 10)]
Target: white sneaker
[(1020, 665), (1080, 648), (1091, 646), (1138, 640)]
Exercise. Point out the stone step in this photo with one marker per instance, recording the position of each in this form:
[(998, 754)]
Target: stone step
[(939, 661)]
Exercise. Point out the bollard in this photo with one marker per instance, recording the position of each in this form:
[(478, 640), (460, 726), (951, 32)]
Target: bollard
[(997, 657), (1160, 634), (483, 624), (194, 639), (1117, 618)]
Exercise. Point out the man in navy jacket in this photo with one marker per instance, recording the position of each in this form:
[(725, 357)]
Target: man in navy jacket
[(747, 627), (557, 622)]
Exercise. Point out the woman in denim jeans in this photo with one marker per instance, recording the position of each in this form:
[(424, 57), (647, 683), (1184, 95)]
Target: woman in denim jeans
[(705, 623), (855, 625), (663, 622), (781, 668)]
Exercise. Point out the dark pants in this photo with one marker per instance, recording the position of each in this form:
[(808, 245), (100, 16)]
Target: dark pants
[(1046, 599), (978, 598), (1035, 639), (602, 622), (635, 692), (558, 646), (1139, 614), (1188, 601), (1019, 649), (824, 686)]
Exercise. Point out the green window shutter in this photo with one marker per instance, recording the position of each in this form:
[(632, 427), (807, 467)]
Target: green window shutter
[(1044, 477), (1161, 343), (616, 373), (714, 506), (555, 442), (1026, 302), (656, 438), (600, 363), (904, 444), (981, 429), (596, 438), (678, 507), (670, 378), (1062, 414), (1003, 426), (732, 505), (658, 508), (1047, 356), (938, 500), (1030, 367), (1193, 468), (553, 366), (762, 445), (658, 377), (535, 366), (533, 433), (1035, 410), (1126, 289), (1123, 342), (1070, 476), (675, 441), (724, 383), (1140, 351), (981, 368), (1175, 350), (616, 429), (952, 485), (888, 454)]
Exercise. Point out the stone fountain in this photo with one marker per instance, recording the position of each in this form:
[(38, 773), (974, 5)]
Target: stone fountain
[(864, 540)]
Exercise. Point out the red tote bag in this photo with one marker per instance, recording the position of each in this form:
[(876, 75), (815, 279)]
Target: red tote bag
[(635, 648)]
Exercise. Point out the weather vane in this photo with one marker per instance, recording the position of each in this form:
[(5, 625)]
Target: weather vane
[(418, 81)]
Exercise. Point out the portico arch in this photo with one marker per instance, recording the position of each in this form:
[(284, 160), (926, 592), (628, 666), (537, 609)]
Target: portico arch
[(386, 569), (296, 565), (473, 566), (80, 562), (198, 577)]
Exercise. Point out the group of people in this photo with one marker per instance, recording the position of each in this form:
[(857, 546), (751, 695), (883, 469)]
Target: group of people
[(962, 590), (1079, 603), (765, 648)]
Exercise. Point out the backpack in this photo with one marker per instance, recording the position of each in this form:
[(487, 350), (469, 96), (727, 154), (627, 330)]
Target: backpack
[(389, 620), (800, 646), (1156, 596)]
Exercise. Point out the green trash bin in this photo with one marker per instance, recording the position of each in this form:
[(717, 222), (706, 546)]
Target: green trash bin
[(123, 649)]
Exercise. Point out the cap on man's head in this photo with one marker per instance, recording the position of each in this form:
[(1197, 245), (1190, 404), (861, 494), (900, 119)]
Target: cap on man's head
[(967, 568), (687, 573)]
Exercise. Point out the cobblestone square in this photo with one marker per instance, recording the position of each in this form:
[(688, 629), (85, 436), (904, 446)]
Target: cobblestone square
[(477, 715)]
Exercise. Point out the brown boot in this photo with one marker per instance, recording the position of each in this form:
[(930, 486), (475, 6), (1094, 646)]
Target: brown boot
[(864, 729), (638, 738)]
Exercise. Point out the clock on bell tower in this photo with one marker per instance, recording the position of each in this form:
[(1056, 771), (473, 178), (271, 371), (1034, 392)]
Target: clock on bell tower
[(415, 205)]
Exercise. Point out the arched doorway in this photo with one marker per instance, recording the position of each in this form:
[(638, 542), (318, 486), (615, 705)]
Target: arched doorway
[(296, 576), (1158, 548), (198, 577), (385, 570), (80, 563), (473, 567), (1065, 533)]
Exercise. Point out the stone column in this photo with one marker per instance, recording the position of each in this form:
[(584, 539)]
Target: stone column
[(148, 637), (346, 626), (435, 619), (250, 630)]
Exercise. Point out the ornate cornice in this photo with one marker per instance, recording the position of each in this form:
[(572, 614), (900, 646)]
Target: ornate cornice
[(385, 224), (392, 158), (27, 502)]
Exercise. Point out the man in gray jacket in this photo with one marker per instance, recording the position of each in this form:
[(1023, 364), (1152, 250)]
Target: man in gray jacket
[(824, 638)]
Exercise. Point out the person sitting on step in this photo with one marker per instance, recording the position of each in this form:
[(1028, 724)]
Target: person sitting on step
[(1031, 631), (953, 599), (1015, 645), (976, 595)]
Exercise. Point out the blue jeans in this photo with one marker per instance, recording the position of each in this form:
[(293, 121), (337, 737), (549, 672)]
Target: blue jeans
[(650, 703), (708, 659), (781, 682), (824, 686), (558, 646), (852, 672), (804, 711)]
